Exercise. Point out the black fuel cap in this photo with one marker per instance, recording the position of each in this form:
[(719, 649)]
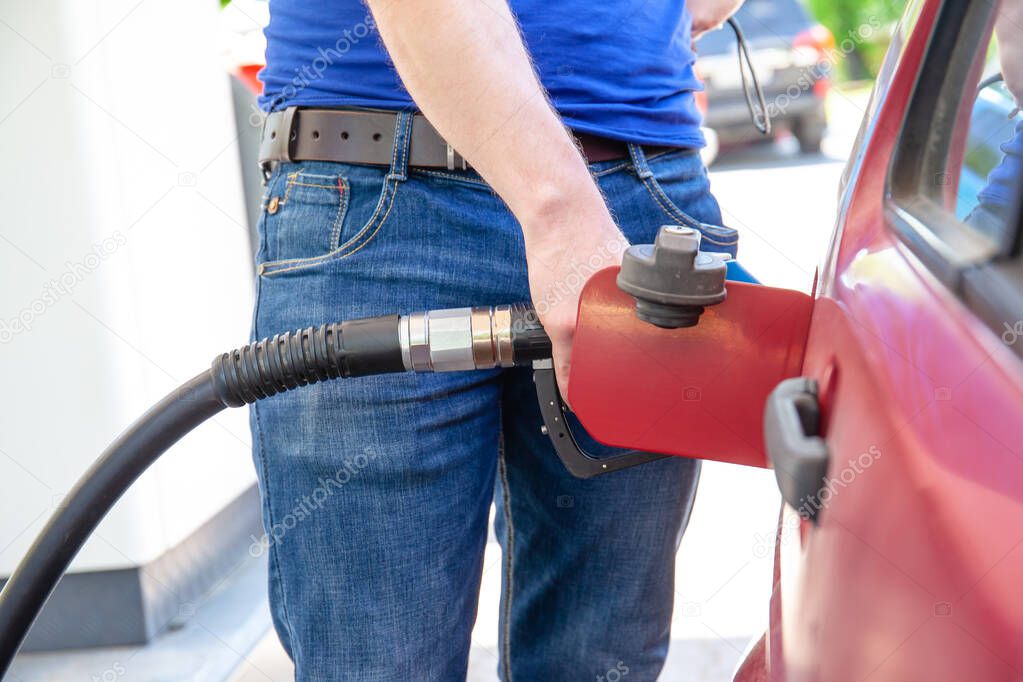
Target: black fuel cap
[(671, 279)]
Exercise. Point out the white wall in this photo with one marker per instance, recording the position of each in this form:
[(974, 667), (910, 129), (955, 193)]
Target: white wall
[(115, 128)]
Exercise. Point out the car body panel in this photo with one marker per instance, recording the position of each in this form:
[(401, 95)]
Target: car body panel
[(911, 572)]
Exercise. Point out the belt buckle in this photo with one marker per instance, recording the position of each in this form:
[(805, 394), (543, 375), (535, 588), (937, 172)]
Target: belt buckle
[(451, 158)]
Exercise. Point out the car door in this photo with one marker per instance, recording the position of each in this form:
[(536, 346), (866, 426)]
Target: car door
[(903, 563)]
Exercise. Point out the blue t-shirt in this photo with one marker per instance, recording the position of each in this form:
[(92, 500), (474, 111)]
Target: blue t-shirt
[(620, 69), (1003, 181)]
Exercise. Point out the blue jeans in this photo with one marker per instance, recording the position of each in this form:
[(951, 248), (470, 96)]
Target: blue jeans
[(376, 491)]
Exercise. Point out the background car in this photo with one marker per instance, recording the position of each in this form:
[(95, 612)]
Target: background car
[(790, 53)]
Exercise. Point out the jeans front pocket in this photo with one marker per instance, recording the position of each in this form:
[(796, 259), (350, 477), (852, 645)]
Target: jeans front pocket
[(678, 184), (320, 212)]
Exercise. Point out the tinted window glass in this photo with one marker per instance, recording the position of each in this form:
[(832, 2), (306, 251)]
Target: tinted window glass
[(986, 169), (959, 161), (956, 175)]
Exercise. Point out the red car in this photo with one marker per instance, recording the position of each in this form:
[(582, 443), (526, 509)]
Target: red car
[(911, 569), (890, 403)]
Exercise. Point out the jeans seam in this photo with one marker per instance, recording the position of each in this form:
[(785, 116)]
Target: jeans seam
[(318, 175), (309, 184), (613, 169), (289, 185), (342, 210), (662, 200), (450, 176), (508, 567), (387, 197), (273, 548), (675, 213), (393, 189), (628, 162)]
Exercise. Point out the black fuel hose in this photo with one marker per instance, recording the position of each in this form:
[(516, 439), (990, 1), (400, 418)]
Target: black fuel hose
[(503, 336), (88, 502)]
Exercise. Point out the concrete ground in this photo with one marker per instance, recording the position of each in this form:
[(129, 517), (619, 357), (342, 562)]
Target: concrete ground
[(783, 205)]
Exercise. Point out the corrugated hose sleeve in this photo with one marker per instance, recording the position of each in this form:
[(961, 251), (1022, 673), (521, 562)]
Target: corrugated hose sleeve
[(307, 356)]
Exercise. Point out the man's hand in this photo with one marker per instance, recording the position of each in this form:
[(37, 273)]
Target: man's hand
[(710, 14), (559, 267), (466, 67)]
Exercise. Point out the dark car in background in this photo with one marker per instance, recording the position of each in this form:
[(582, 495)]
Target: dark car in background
[(790, 53)]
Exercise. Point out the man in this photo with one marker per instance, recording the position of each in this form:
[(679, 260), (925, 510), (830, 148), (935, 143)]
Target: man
[(376, 492), (995, 202)]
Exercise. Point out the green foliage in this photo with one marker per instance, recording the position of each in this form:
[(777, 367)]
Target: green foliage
[(845, 17)]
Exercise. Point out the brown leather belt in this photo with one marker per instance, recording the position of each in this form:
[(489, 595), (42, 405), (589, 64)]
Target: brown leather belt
[(348, 136)]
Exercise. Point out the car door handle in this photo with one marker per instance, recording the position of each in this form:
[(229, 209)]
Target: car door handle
[(794, 446)]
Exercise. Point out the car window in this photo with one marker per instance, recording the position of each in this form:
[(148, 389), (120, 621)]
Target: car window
[(987, 173), (960, 152), (956, 177)]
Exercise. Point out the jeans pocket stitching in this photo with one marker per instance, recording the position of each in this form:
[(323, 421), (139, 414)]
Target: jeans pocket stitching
[(292, 179), (451, 176), (350, 246), (373, 226), (386, 198), (674, 212), (342, 210)]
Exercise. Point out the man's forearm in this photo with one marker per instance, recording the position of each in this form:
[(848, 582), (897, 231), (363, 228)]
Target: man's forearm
[(464, 63)]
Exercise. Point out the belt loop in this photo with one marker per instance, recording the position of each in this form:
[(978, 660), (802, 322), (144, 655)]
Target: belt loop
[(400, 151), (639, 162)]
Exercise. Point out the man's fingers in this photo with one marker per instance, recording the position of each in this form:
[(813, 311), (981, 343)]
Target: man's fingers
[(561, 371), (562, 362)]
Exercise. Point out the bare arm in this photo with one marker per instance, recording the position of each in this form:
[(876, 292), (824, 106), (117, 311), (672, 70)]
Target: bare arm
[(711, 14), (465, 65)]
